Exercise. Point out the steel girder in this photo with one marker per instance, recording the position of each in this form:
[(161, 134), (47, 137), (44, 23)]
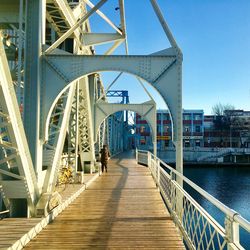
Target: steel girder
[(162, 71), (115, 139), (54, 150), (147, 110), (86, 142), (73, 132), (17, 176), (59, 135)]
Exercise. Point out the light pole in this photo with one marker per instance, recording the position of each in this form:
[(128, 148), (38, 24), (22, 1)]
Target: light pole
[(230, 136)]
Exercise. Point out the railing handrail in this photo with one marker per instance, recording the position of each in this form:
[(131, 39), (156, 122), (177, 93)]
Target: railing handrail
[(4, 212), (235, 216)]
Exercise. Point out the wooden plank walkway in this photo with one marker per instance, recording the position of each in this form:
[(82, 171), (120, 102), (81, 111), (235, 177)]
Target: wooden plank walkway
[(17, 232), (122, 209)]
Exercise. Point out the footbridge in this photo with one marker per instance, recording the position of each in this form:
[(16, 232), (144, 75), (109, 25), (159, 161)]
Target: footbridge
[(55, 117)]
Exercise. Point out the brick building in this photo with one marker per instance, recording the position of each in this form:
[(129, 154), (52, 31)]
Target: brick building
[(193, 130), (199, 130)]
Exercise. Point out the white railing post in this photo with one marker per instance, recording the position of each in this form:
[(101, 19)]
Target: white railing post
[(136, 155), (149, 160), (232, 233), (171, 190), (158, 172)]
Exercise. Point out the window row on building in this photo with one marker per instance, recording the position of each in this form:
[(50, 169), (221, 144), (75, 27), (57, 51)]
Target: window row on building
[(199, 130)]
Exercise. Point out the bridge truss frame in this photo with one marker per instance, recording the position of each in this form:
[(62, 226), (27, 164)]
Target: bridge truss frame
[(60, 85)]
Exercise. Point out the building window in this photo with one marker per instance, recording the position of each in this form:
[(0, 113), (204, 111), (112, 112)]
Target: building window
[(166, 117), (198, 129), (197, 117), (187, 117), (165, 129), (186, 144), (142, 129), (142, 142), (197, 143), (187, 129)]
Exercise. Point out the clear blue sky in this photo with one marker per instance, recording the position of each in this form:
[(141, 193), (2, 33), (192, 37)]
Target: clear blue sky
[(214, 36)]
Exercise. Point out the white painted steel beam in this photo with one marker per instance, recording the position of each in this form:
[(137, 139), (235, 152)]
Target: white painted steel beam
[(113, 47), (123, 23), (101, 38), (16, 135), (73, 130), (35, 19), (177, 79), (74, 27), (52, 171), (159, 70), (164, 25), (147, 110), (86, 142), (67, 16), (104, 17)]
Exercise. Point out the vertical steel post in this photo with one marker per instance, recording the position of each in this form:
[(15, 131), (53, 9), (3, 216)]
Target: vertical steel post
[(77, 127), (232, 232), (32, 79), (179, 137), (20, 48)]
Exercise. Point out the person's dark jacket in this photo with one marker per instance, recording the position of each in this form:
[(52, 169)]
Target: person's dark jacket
[(105, 155)]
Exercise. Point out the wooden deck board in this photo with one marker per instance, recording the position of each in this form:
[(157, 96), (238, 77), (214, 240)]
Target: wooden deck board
[(121, 210), (16, 232)]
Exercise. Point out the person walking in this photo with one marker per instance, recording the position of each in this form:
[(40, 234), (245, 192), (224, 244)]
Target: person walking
[(104, 158)]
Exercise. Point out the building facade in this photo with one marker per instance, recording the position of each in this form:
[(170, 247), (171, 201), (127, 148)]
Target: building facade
[(229, 130), (193, 130)]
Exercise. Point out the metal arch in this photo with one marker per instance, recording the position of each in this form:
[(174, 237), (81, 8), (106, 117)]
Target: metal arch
[(62, 70), (146, 110), (162, 70)]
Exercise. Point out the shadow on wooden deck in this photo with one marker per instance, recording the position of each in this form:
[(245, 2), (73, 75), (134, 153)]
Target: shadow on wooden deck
[(122, 209)]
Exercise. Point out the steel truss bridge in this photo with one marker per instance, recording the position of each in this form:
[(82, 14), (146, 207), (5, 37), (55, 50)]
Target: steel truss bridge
[(53, 106)]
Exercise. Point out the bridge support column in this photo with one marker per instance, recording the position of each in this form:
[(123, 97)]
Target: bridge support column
[(33, 48)]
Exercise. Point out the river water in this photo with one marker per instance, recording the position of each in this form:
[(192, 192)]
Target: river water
[(229, 184)]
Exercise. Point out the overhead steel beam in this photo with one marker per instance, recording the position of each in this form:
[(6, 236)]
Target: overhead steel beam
[(113, 47), (61, 71), (101, 38), (67, 14), (164, 25), (123, 24), (104, 17), (147, 110), (74, 27)]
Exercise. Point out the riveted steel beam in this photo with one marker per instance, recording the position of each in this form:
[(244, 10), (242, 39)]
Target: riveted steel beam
[(74, 27), (147, 110), (158, 70), (101, 38), (17, 154)]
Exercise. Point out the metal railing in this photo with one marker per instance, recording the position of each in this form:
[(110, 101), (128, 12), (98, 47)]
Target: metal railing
[(4, 214), (199, 229)]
